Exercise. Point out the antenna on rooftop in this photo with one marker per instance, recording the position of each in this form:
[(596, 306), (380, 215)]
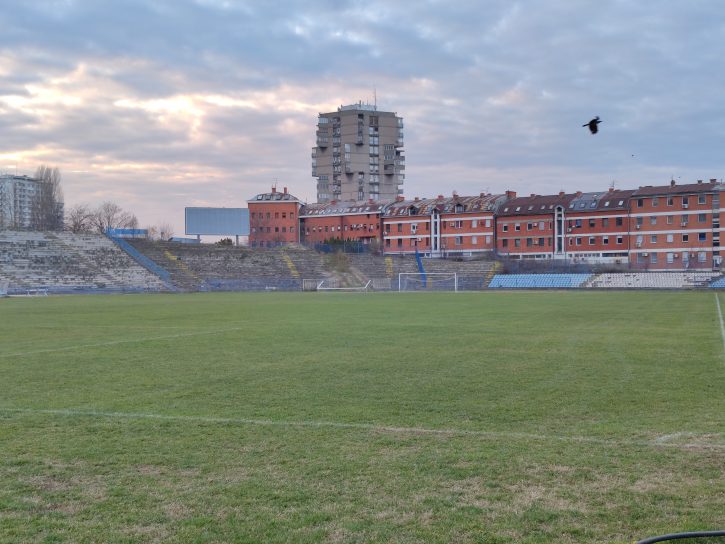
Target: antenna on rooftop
[(375, 97)]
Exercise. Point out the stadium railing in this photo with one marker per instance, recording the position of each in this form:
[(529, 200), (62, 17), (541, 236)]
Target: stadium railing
[(144, 261)]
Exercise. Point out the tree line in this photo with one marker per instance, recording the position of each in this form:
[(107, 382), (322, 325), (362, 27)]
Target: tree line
[(48, 213)]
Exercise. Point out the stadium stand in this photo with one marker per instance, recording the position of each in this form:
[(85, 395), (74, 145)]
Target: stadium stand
[(652, 280), (538, 281), (61, 262), (718, 283), (206, 267)]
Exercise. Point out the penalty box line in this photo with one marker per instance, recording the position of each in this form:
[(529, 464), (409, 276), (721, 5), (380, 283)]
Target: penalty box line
[(660, 442), (117, 342)]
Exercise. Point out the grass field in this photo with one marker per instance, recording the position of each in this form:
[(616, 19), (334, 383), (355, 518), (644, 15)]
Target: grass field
[(433, 417)]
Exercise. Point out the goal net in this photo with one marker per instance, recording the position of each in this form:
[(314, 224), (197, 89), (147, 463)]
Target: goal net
[(331, 284), (430, 281)]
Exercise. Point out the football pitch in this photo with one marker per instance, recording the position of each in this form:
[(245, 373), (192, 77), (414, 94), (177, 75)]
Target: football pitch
[(496, 417)]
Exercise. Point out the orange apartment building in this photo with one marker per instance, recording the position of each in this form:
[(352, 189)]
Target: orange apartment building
[(458, 225), (273, 219), (676, 227), (341, 220), (668, 227)]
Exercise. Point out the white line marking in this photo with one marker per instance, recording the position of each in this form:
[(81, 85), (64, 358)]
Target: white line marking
[(722, 325), (365, 427), (116, 342)]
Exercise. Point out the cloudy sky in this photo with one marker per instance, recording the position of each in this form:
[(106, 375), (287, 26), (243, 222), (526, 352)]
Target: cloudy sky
[(158, 105)]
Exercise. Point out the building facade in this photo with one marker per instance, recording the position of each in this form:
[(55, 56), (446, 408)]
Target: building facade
[(18, 201), (273, 219), (349, 221), (359, 155)]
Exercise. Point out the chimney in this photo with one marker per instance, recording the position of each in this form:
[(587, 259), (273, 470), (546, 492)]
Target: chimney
[(578, 194), (699, 181), (510, 194), (333, 202), (416, 199), (285, 190), (440, 197), (274, 189), (371, 201), (611, 189), (482, 195), (455, 194), (561, 194), (713, 180), (399, 198), (532, 195), (672, 183)]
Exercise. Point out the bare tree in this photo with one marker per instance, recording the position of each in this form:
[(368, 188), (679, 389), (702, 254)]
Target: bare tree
[(110, 215), (152, 232), (166, 231), (48, 206), (79, 218)]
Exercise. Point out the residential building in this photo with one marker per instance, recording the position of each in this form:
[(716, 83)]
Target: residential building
[(18, 201), (273, 219), (359, 155)]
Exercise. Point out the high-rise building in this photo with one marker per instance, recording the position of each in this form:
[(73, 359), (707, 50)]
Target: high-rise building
[(359, 154)]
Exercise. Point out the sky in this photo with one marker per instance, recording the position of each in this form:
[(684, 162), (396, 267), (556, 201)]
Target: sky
[(158, 105)]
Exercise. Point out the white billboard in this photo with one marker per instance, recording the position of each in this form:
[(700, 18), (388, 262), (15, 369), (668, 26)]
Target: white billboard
[(216, 221)]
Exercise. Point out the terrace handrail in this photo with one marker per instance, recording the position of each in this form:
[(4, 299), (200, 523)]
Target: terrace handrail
[(141, 259)]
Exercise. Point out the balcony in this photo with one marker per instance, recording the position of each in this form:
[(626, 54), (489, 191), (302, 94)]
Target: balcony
[(322, 142)]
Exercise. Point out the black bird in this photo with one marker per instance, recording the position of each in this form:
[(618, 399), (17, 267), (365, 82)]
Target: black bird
[(593, 128)]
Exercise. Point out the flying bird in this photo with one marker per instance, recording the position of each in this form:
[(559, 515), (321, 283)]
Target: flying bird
[(593, 128)]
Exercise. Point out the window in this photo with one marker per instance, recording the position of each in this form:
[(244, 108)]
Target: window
[(670, 201), (670, 258), (400, 242), (276, 229), (459, 240), (592, 240), (620, 240), (578, 240), (254, 230), (387, 242), (653, 238), (276, 215), (529, 242), (670, 238), (474, 223), (655, 201), (578, 223), (517, 242), (653, 220), (517, 227), (653, 258), (639, 240), (400, 227), (252, 214), (702, 237), (488, 223), (640, 258), (701, 218), (504, 243), (284, 215), (619, 221), (605, 222), (684, 220), (541, 225), (605, 240), (504, 228), (459, 224), (488, 240), (284, 229), (702, 256), (670, 219), (529, 226), (474, 240), (702, 199), (639, 221), (685, 238), (541, 242), (592, 223), (640, 202), (685, 201)]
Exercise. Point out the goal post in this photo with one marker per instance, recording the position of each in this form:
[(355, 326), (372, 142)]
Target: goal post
[(429, 281)]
